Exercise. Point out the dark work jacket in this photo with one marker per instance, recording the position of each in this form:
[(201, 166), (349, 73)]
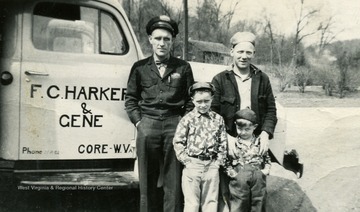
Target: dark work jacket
[(227, 100), (150, 95)]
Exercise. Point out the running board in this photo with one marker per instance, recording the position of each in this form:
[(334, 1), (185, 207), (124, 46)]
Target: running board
[(77, 181)]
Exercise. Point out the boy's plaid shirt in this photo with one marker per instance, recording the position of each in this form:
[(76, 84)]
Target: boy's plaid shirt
[(201, 134), (247, 154)]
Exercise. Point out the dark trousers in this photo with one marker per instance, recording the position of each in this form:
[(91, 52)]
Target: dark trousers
[(248, 190), (156, 158)]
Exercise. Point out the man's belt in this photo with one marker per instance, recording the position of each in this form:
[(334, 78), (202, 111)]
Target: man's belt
[(204, 157)]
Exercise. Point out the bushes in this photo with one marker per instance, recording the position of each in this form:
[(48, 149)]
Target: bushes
[(284, 74), (327, 75)]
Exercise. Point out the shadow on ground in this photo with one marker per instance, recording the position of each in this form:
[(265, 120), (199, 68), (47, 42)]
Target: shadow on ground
[(286, 195)]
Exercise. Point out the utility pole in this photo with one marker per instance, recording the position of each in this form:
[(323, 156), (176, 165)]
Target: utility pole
[(129, 8), (185, 49)]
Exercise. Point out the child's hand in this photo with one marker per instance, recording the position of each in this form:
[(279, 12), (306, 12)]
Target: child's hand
[(217, 164), (231, 173), (187, 162), (265, 171)]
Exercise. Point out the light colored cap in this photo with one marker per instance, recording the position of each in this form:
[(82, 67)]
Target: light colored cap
[(242, 37)]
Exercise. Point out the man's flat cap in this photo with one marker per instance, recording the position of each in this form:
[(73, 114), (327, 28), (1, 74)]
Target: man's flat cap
[(246, 114), (162, 22), (201, 86), (242, 37)]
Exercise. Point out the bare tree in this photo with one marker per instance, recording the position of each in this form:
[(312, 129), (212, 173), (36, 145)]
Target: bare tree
[(212, 22), (269, 31), (343, 64), (226, 20), (283, 72), (141, 11), (302, 22), (326, 33)]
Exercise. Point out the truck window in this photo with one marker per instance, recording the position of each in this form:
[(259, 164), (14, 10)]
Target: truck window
[(72, 28), (111, 37)]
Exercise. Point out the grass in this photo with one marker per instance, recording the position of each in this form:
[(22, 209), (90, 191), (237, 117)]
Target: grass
[(314, 96)]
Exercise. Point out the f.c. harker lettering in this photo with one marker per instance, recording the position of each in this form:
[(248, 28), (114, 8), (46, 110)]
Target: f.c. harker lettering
[(78, 92)]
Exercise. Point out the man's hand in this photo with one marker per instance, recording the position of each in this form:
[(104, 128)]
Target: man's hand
[(137, 123), (263, 139)]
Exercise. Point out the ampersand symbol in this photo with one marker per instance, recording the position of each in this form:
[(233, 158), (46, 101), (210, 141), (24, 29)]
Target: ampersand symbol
[(85, 111)]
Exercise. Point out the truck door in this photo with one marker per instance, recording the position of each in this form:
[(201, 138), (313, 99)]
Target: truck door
[(76, 61)]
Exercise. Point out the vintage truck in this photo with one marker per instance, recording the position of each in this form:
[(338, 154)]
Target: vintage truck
[(64, 66)]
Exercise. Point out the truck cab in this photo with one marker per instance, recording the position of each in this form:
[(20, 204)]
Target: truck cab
[(64, 67)]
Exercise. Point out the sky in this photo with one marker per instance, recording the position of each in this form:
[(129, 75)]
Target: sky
[(345, 13)]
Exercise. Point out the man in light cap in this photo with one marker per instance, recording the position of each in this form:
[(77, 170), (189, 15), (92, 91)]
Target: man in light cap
[(243, 85), (156, 99)]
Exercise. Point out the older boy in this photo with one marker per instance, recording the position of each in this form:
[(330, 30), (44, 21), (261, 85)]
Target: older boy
[(200, 144), (246, 167)]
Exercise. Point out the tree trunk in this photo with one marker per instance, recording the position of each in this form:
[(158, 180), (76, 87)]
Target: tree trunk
[(328, 89)]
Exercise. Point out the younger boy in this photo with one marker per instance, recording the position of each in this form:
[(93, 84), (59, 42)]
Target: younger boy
[(246, 167), (200, 144)]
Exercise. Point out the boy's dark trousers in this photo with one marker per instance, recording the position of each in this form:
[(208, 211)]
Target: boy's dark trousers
[(248, 190)]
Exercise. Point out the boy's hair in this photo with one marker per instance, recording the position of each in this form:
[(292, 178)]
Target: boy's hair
[(201, 91), (201, 87), (244, 123)]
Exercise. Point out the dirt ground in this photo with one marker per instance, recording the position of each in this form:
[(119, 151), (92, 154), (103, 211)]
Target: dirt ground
[(328, 142)]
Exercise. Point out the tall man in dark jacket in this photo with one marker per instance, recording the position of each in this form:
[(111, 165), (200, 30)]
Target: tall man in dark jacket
[(156, 99), (243, 85)]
